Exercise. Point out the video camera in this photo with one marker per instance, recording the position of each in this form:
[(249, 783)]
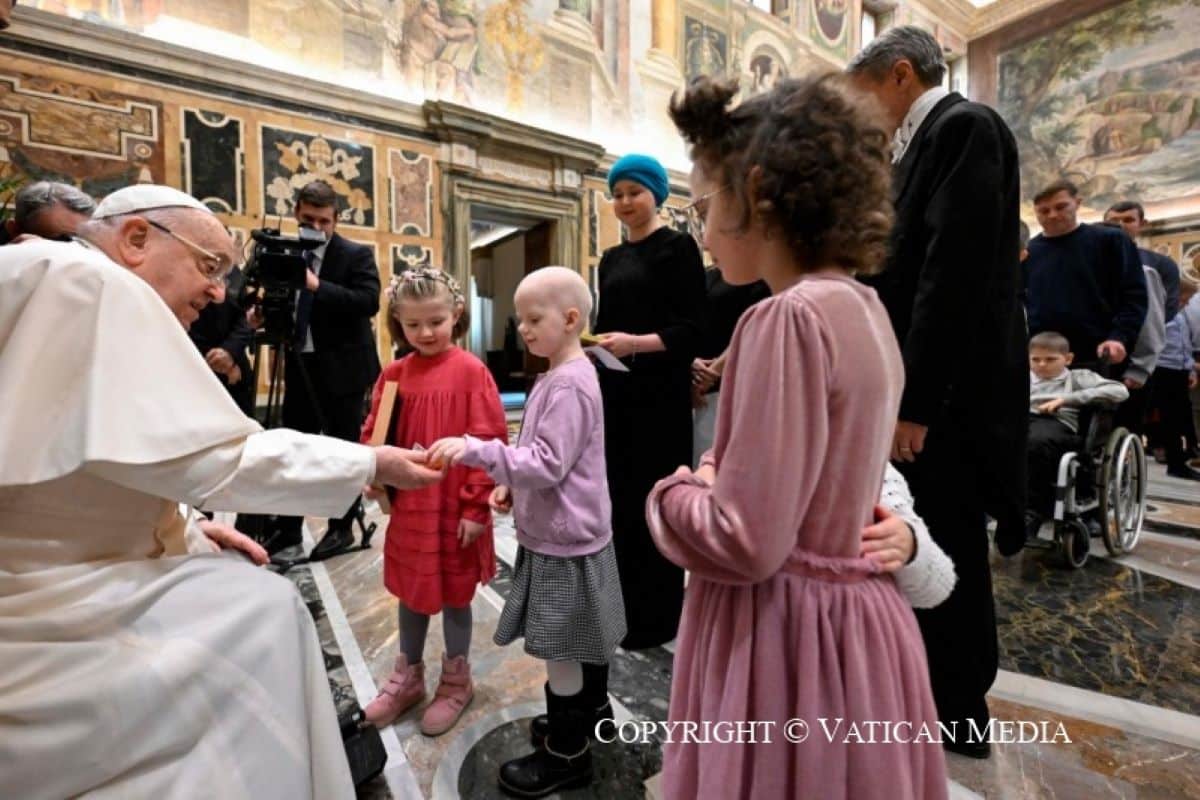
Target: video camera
[(277, 270)]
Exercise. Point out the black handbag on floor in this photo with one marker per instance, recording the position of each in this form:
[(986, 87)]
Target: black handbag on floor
[(364, 747)]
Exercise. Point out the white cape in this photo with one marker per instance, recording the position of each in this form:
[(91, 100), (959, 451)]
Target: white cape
[(124, 674)]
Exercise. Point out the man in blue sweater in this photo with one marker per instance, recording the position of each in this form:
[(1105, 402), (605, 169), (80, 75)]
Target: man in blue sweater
[(1084, 281)]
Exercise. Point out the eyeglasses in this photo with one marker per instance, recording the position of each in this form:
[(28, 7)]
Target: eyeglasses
[(212, 267), (697, 211)]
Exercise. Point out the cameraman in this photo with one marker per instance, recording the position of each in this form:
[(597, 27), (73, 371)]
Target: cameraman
[(335, 343)]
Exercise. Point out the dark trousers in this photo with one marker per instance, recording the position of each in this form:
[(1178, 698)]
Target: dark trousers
[(1174, 405), (960, 634), (1048, 440), (1131, 415), (341, 410)]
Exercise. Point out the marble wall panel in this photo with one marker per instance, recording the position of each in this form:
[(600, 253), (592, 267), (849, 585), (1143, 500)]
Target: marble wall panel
[(62, 130), (410, 256), (291, 158), (212, 153), (411, 176)]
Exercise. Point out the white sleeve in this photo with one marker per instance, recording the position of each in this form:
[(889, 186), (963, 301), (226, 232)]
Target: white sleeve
[(271, 472), (929, 578)]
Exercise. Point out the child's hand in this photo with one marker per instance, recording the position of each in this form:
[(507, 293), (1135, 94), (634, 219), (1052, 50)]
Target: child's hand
[(1050, 406), (889, 542), (501, 500), (707, 473), (373, 492), (469, 531), (447, 452)]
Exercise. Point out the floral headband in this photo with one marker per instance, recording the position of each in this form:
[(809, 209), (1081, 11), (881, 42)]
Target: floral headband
[(426, 274)]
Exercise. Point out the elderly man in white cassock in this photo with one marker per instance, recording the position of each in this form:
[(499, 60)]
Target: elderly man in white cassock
[(130, 668)]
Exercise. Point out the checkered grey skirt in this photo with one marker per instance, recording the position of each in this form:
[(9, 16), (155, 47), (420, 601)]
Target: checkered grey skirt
[(568, 609)]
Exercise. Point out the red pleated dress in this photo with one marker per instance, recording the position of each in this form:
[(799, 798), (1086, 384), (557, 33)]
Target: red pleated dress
[(449, 394)]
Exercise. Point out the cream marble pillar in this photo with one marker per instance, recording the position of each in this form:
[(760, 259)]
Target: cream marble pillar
[(664, 26)]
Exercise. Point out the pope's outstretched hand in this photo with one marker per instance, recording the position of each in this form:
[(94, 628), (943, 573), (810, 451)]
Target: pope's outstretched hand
[(403, 469)]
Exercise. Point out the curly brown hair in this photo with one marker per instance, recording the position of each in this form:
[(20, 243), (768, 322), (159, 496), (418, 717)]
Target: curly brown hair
[(808, 159)]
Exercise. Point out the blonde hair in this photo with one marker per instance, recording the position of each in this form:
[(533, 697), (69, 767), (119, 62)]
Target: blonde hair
[(424, 284)]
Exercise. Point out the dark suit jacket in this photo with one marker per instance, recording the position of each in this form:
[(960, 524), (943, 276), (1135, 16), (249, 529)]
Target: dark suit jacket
[(952, 288), (346, 301), (224, 325)]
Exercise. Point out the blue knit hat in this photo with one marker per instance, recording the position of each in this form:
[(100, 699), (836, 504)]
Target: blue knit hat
[(644, 170)]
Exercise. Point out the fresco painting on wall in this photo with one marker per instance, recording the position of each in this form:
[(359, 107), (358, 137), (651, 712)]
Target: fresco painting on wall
[(95, 139), (829, 26), (1110, 101), (766, 70), (705, 48), (291, 159), (507, 27), (434, 44)]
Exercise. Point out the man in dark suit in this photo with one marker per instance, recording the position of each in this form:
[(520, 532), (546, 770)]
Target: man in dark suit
[(222, 335), (951, 287), (335, 345)]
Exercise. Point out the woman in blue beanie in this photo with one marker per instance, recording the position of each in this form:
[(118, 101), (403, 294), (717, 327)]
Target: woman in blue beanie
[(651, 315)]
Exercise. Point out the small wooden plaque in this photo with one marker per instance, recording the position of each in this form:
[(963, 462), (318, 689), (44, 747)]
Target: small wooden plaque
[(383, 424)]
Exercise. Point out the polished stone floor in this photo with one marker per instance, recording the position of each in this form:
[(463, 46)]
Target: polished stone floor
[(1109, 651)]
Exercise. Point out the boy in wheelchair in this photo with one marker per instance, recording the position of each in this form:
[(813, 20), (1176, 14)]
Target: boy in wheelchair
[(1057, 394)]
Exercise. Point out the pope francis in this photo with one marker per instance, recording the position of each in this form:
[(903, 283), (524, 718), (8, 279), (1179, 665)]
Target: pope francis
[(130, 668)]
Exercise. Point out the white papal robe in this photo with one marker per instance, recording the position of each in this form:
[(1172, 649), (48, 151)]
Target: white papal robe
[(129, 669)]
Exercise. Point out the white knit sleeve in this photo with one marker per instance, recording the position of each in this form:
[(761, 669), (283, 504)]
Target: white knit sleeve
[(930, 577)]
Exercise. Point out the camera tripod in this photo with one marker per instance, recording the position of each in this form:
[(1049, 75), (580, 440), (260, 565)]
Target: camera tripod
[(280, 349)]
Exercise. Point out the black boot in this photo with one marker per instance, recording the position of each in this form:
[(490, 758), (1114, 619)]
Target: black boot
[(564, 763), (595, 689)]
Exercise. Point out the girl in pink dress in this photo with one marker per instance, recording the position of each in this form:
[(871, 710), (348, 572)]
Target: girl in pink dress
[(439, 539), (784, 619)]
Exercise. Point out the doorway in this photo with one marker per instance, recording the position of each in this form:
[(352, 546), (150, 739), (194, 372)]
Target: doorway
[(504, 248)]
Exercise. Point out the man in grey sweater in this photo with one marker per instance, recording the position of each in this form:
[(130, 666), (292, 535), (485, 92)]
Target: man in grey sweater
[(1056, 393)]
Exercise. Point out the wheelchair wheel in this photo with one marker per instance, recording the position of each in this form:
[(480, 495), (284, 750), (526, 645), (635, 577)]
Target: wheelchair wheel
[(1074, 543), (1122, 492)]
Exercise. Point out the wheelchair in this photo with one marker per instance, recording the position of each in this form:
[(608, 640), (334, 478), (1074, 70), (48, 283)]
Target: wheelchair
[(1104, 482)]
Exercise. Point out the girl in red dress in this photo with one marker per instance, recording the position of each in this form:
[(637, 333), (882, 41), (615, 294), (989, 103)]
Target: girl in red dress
[(439, 539)]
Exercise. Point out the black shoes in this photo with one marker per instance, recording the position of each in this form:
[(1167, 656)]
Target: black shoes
[(566, 760), (1185, 472), (594, 696), (335, 542)]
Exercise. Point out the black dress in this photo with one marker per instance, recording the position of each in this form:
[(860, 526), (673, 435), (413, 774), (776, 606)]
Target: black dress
[(655, 285), (726, 304)]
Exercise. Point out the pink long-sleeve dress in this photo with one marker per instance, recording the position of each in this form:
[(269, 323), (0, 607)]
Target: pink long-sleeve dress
[(782, 618)]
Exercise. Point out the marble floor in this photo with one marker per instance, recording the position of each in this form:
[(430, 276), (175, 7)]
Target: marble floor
[(1110, 652)]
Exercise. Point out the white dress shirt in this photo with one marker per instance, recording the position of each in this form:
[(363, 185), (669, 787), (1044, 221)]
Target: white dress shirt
[(913, 119)]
